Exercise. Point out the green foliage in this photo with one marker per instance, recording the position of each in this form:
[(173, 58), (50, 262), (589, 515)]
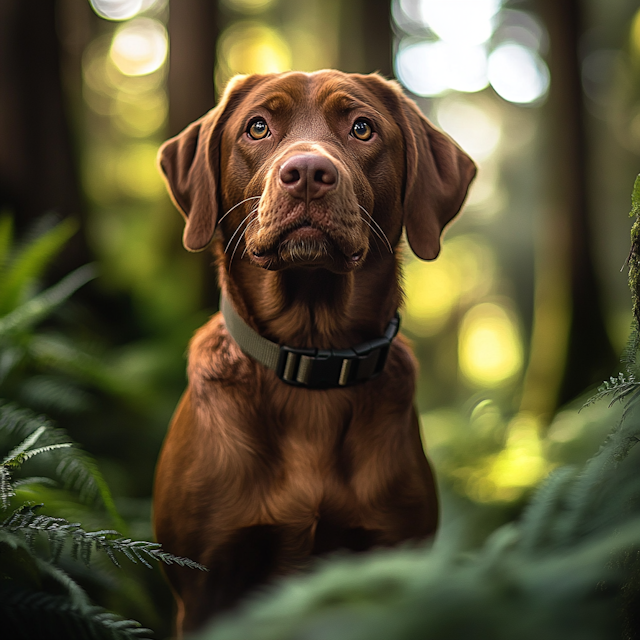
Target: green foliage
[(19, 558), (562, 572), (568, 569), (23, 305), (627, 384), (42, 554), (76, 470), (18, 272)]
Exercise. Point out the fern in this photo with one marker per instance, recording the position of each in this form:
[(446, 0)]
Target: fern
[(35, 613), (77, 469), (548, 502), (27, 265), (58, 531), (27, 615), (627, 384), (567, 570), (40, 306), (16, 457)]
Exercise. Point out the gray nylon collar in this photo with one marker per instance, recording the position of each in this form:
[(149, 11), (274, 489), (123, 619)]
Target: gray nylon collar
[(312, 368)]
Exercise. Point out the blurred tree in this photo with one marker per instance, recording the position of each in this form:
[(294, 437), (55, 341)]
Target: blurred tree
[(193, 30), (365, 37), (37, 156), (569, 287)]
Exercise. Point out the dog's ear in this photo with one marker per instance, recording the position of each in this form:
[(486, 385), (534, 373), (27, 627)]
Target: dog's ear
[(190, 164), (438, 175)]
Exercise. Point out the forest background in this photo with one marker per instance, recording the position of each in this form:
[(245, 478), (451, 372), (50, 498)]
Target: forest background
[(523, 314)]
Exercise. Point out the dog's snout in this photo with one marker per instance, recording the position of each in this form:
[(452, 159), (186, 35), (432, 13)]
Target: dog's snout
[(308, 176)]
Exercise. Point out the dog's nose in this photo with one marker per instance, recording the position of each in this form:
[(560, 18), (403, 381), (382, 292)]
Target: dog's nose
[(308, 176)]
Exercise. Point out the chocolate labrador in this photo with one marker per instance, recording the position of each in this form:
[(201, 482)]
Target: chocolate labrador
[(297, 434)]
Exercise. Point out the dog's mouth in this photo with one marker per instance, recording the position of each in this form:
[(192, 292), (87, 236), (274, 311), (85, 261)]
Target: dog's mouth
[(305, 245)]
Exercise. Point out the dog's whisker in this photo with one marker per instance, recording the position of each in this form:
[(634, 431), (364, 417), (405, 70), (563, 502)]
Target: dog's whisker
[(237, 205), (238, 228), (241, 236), (244, 234), (379, 227), (375, 231)]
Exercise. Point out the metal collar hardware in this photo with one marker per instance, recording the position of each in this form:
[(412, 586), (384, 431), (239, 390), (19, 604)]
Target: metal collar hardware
[(312, 368)]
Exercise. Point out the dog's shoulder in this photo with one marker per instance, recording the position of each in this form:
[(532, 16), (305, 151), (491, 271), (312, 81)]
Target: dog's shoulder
[(214, 356)]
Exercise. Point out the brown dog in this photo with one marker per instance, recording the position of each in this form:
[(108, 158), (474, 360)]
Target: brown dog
[(316, 175)]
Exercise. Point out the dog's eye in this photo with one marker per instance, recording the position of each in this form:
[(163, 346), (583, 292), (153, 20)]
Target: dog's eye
[(258, 129), (362, 130)]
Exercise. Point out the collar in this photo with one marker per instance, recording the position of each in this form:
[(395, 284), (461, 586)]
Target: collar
[(312, 368)]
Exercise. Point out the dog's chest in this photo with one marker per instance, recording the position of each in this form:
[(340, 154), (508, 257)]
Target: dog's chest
[(311, 453)]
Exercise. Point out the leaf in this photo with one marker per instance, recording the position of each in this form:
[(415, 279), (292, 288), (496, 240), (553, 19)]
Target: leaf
[(6, 489), (34, 452), (44, 303), (26, 613), (26, 443), (58, 530), (30, 263), (77, 469)]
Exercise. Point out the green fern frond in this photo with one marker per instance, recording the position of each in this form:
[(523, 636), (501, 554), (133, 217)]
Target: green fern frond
[(29, 441), (76, 593), (619, 388), (21, 482), (79, 364), (41, 305), (26, 455), (545, 507), (630, 353), (6, 488), (58, 531), (27, 614), (77, 470), (30, 263)]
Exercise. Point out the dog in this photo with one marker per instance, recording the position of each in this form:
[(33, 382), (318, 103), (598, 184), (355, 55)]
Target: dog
[(297, 434)]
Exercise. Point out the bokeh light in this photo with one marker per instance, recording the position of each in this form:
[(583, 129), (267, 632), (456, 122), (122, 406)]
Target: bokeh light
[(463, 271), (116, 9), (464, 22), (137, 173), (517, 73), (522, 28), (489, 345), (140, 115), (520, 465), (253, 47), (469, 45), (248, 6), (472, 126), (635, 33), (431, 68), (139, 47)]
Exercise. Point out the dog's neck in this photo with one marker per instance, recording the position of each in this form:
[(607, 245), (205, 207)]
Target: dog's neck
[(303, 307)]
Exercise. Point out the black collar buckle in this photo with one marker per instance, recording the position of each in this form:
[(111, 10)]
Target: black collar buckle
[(334, 368)]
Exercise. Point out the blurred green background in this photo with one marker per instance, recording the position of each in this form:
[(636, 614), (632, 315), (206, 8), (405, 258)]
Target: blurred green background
[(525, 310)]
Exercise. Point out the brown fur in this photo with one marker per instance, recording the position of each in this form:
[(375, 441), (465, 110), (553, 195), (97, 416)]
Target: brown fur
[(256, 475)]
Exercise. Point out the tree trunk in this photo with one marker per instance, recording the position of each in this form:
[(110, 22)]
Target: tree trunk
[(193, 31), (37, 156), (365, 37), (567, 237)]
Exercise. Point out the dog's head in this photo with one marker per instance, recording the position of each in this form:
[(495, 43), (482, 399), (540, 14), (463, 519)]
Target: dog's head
[(312, 169)]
